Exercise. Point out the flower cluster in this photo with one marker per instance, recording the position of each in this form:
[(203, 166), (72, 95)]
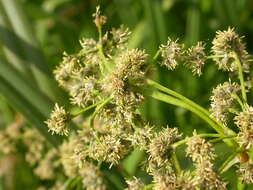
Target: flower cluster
[(58, 121), (226, 45), (202, 154), (173, 54), (110, 80), (244, 121), (223, 100)]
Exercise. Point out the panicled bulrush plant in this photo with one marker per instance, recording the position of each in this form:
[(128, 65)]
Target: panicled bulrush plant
[(109, 82)]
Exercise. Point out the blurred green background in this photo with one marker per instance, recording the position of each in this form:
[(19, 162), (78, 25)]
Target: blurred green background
[(35, 33)]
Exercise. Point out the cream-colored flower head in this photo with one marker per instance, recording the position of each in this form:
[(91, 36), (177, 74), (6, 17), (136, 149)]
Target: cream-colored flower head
[(244, 122), (171, 53), (246, 172), (222, 100), (199, 149), (57, 124), (195, 58), (135, 184), (160, 150), (225, 45)]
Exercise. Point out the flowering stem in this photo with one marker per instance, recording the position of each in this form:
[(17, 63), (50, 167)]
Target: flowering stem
[(174, 101), (221, 138), (175, 145), (237, 98), (214, 56), (176, 162), (101, 51), (174, 93), (240, 74), (73, 115), (148, 187), (157, 55), (229, 162), (190, 103), (97, 110)]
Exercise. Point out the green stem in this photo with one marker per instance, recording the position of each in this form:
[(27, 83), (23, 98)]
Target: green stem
[(175, 145), (157, 55), (148, 187), (237, 98), (229, 162), (190, 103), (214, 56), (97, 110), (222, 138), (105, 65), (177, 164), (73, 115), (176, 94), (240, 75), (174, 101)]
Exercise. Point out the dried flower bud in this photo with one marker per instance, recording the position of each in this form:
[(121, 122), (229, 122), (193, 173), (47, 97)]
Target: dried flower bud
[(196, 58), (244, 122), (171, 53), (222, 100), (99, 19), (135, 184), (199, 149), (160, 149), (246, 172), (225, 44), (58, 121)]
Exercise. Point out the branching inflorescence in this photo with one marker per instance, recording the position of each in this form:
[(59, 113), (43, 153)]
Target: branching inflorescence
[(110, 80)]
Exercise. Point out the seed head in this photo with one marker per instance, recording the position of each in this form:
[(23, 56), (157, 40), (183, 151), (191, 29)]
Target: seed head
[(225, 45), (196, 57), (222, 100), (171, 53), (58, 121), (244, 122)]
